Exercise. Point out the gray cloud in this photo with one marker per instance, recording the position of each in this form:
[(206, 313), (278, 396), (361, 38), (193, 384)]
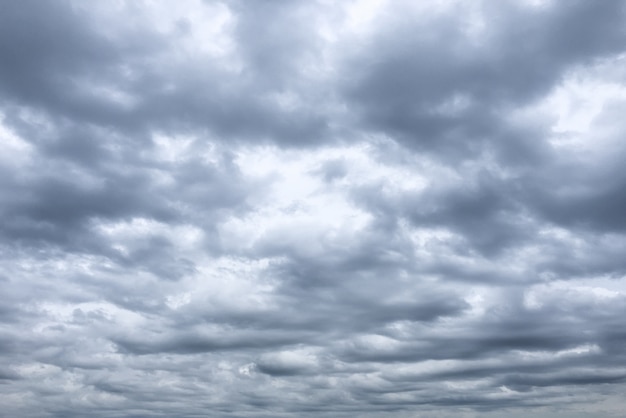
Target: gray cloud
[(279, 209)]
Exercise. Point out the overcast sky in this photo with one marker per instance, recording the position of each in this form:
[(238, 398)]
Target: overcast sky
[(312, 208)]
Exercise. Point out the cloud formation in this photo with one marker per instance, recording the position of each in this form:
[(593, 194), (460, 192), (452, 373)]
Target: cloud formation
[(281, 209)]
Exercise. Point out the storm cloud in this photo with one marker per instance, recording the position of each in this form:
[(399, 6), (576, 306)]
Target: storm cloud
[(300, 209)]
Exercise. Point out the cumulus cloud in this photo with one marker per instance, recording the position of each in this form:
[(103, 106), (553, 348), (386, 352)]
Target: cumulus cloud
[(277, 209)]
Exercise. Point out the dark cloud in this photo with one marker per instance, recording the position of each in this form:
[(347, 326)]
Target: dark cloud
[(438, 87), (279, 209)]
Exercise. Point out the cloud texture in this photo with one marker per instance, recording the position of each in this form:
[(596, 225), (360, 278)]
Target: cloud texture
[(307, 209)]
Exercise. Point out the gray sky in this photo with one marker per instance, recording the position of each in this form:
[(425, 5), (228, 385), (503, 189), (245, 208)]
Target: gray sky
[(312, 208)]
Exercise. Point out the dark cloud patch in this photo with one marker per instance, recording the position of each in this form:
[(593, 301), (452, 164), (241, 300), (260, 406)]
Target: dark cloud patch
[(132, 78), (57, 59), (521, 382), (503, 332), (41, 43), (436, 87), (192, 342), (333, 169), (584, 203)]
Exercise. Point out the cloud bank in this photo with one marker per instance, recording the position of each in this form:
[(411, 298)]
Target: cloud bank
[(300, 209)]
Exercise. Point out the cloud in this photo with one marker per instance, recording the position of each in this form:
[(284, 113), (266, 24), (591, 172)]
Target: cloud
[(279, 209)]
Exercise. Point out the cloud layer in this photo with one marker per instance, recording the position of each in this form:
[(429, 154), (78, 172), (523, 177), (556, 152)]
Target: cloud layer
[(281, 209)]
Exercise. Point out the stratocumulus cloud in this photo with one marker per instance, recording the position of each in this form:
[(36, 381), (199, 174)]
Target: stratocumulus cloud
[(301, 209)]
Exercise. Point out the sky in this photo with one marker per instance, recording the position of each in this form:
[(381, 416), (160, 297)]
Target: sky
[(272, 208)]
